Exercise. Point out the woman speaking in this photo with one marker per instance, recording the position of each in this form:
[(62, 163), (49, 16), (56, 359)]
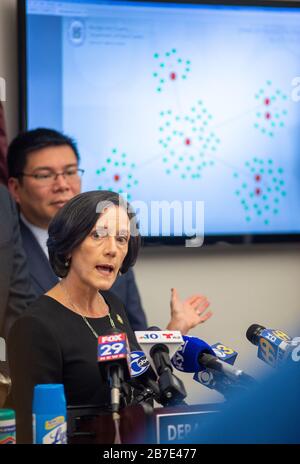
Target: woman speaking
[(92, 239)]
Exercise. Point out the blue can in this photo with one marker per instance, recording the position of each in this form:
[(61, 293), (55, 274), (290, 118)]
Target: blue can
[(49, 414)]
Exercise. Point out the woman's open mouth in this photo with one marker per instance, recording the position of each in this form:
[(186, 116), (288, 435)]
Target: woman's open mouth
[(105, 269)]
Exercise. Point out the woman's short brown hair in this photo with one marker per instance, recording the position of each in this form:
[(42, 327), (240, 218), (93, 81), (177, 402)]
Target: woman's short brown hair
[(73, 223)]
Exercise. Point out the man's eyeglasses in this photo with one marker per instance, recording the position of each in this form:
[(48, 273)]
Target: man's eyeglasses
[(47, 177)]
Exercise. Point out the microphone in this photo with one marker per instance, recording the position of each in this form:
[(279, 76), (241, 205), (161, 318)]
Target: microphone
[(159, 346), (225, 353), (143, 378), (113, 362), (196, 356), (186, 359), (274, 346)]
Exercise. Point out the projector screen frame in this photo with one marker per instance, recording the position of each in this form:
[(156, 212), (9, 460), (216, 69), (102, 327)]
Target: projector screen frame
[(209, 239)]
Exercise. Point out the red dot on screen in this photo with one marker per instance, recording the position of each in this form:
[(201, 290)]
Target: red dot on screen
[(267, 101), (268, 115), (187, 141), (257, 178), (173, 76), (257, 191), (116, 177)]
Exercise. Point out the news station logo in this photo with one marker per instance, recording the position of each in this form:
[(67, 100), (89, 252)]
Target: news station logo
[(178, 359), (112, 338), (162, 336), (112, 347), (138, 364), (225, 353)]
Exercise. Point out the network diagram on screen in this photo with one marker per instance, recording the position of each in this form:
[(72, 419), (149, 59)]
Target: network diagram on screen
[(172, 102)]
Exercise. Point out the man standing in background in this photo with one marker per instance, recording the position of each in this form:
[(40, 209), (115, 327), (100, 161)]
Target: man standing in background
[(44, 174), (15, 290)]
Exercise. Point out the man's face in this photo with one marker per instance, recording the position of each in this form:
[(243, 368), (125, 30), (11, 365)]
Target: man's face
[(40, 200)]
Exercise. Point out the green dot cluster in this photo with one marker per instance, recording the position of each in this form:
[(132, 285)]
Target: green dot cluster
[(188, 161), (276, 108), (272, 190), (165, 64), (117, 163)]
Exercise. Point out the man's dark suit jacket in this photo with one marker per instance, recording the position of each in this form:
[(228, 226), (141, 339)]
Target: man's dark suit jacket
[(3, 148), (43, 278), (15, 290)]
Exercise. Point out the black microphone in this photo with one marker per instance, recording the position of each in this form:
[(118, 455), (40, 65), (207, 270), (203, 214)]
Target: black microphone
[(172, 391), (113, 362), (143, 378)]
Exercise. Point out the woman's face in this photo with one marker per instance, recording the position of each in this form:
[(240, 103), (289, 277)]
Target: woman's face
[(97, 260)]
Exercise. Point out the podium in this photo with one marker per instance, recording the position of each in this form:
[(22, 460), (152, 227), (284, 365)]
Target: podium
[(139, 424)]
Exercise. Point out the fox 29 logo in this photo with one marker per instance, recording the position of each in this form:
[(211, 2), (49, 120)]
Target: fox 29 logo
[(112, 347)]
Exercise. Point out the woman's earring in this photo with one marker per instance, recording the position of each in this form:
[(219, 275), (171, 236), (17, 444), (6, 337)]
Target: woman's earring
[(67, 263)]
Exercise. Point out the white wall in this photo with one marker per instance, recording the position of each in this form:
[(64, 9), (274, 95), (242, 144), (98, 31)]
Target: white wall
[(245, 285), (256, 284)]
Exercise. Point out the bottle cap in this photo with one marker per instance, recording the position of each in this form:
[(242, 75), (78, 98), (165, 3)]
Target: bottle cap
[(7, 414), (49, 398)]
